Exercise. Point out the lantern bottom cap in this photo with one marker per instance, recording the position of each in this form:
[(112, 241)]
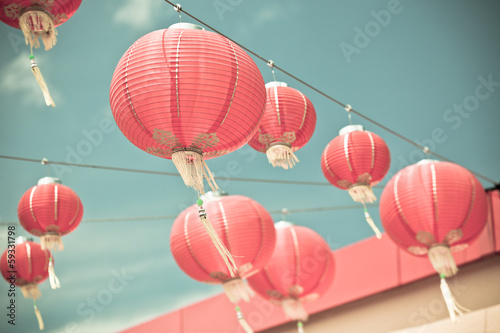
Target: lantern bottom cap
[(52, 242), (442, 260), (362, 193), (281, 155), (236, 290), (294, 309), (37, 23)]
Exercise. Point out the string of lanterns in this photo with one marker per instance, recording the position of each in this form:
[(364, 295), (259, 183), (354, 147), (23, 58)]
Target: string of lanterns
[(189, 95)]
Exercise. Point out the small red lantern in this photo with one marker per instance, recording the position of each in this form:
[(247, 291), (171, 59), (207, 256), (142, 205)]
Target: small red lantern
[(187, 94), (50, 210), (288, 124), (433, 208), (38, 19), (245, 228), (301, 269), (26, 264), (355, 161)]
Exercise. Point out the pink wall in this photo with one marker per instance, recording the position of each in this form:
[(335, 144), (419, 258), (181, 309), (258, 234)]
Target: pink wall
[(362, 269)]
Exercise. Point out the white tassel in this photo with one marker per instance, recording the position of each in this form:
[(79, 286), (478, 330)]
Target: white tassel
[(362, 193), (300, 327), (38, 24), (242, 321), (41, 82), (31, 290), (442, 260), (193, 169), (372, 224), (54, 281), (39, 317), (51, 242), (282, 156), (453, 306), (219, 245), (294, 309), (237, 289)]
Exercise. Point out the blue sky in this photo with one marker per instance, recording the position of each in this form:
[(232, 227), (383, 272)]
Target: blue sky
[(429, 70)]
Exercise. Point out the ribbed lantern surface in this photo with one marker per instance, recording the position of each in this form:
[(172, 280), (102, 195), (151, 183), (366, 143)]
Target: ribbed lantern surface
[(288, 124), (243, 225), (301, 269), (356, 158), (31, 266), (50, 210), (431, 203), (187, 92)]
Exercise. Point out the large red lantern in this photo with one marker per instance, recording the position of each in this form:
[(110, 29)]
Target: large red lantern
[(288, 124), (245, 228), (431, 209), (301, 269), (187, 94), (50, 210), (38, 19), (355, 161), (26, 265)]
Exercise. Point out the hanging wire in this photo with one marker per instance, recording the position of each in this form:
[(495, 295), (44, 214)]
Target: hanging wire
[(376, 123), (173, 174), (173, 217)]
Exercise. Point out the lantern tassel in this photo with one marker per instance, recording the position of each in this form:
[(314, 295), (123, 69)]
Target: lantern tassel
[(54, 281), (242, 321), (219, 245), (236, 290), (41, 82), (193, 169), (281, 156), (362, 193), (38, 317), (35, 24), (52, 242), (442, 260), (294, 309), (453, 306), (31, 290), (372, 224), (300, 327)]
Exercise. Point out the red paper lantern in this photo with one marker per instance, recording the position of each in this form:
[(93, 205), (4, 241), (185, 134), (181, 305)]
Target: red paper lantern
[(38, 19), (301, 269), (26, 264), (432, 208), (355, 161), (188, 95), (50, 210), (288, 124), (245, 228)]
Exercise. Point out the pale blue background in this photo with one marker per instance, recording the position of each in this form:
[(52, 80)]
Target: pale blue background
[(427, 58)]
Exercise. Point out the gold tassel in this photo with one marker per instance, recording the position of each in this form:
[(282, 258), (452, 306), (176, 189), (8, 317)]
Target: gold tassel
[(54, 281), (372, 224), (242, 321), (38, 24), (219, 245), (453, 306), (41, 82), (39, 317)]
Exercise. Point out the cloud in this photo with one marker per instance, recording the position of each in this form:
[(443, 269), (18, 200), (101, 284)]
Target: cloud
[(15, 78), (137, 13)]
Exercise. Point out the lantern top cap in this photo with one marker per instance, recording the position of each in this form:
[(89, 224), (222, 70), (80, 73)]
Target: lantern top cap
[(276, 84), (351, 128), (185, 25), (426, 161), (213, 195), (283, 224), (49, 180)]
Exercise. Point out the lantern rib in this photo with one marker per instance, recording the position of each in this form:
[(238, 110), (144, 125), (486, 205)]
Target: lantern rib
[(376, 123), (226, 226), (176, 69), (434, 199), (373, 150), (28, 254), (127, 87), (297, 253), (262, 233), (77, 211), (305, 110), (472, 201), (55, 203), (277, 104), (31, 203), (235, 83), (346, 150)]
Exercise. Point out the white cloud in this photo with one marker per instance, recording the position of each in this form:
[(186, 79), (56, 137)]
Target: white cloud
[(137, 13), (16, 78)]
